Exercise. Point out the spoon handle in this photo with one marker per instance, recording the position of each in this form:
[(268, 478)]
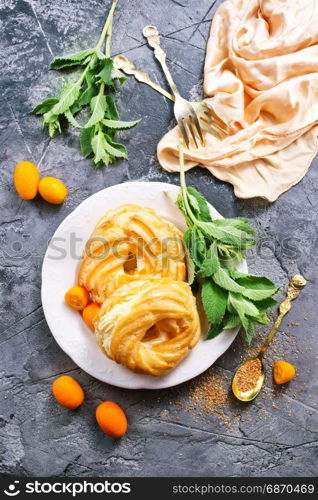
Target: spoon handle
[(152, 34), (121, 62), (296, 284)]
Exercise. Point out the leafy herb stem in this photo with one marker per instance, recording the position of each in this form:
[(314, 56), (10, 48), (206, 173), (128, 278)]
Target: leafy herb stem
[(94, 91), (109, 38), (214, 248), (102, 89), (107, 26), (83, 75), (184, 186)]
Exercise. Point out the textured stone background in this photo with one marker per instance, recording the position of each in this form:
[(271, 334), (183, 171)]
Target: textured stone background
[(277, 434)]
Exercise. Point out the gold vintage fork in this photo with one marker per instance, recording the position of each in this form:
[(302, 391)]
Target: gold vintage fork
[(207, 121), (184, 112)]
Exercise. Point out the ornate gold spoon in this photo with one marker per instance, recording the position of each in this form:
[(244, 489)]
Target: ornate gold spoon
[(121, 62), (243, 388)]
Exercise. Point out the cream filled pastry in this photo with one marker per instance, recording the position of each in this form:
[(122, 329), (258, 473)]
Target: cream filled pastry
[(130, 243), (149, 326)]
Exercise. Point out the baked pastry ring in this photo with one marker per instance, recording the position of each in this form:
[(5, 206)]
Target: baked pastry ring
[(149, 326), (128, 244)]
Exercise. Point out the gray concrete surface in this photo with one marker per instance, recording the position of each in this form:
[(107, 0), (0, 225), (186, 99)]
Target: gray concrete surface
[(274, 436)]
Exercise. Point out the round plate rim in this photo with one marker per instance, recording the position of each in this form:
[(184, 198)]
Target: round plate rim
[(142, 385)]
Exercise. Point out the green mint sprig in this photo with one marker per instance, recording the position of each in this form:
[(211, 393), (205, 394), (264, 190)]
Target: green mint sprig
[(214, 249), (93, 90)]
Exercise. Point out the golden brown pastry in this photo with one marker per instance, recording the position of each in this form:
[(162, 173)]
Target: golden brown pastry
[(148, 326), (130, 243)]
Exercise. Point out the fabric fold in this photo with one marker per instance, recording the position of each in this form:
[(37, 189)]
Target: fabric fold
[(261, 79)]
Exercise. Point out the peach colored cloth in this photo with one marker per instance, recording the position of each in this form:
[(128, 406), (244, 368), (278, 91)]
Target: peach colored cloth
[(261, 76)]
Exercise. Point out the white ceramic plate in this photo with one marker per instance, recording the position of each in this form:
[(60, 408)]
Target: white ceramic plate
[(59, 273)]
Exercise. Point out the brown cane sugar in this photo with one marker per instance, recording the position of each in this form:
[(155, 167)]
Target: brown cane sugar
[(248, 374)]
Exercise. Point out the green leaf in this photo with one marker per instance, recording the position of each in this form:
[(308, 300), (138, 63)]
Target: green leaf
[(264, 305), (211, 262), (79, 58), (86, 137), (87, 95), (227, 234), (252, 279), (112, 112), (256, 287), (245, 309), (200, 207), (105, 75), (214, 300), (115, 149), (259, 294), (196, 244), (214, 331), (243, 306), (222, 278), (180, 204), (54, 127), (256, 295), (98, 107), (45, 106), (120, 125), (190, 267), (193, 203), (248, 330), (98, 146), (187, 236), (239, 223), (232, 321), (118, 75), (49, 117), (90, 76), (262, 319), (68, 96), (71, 119)]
